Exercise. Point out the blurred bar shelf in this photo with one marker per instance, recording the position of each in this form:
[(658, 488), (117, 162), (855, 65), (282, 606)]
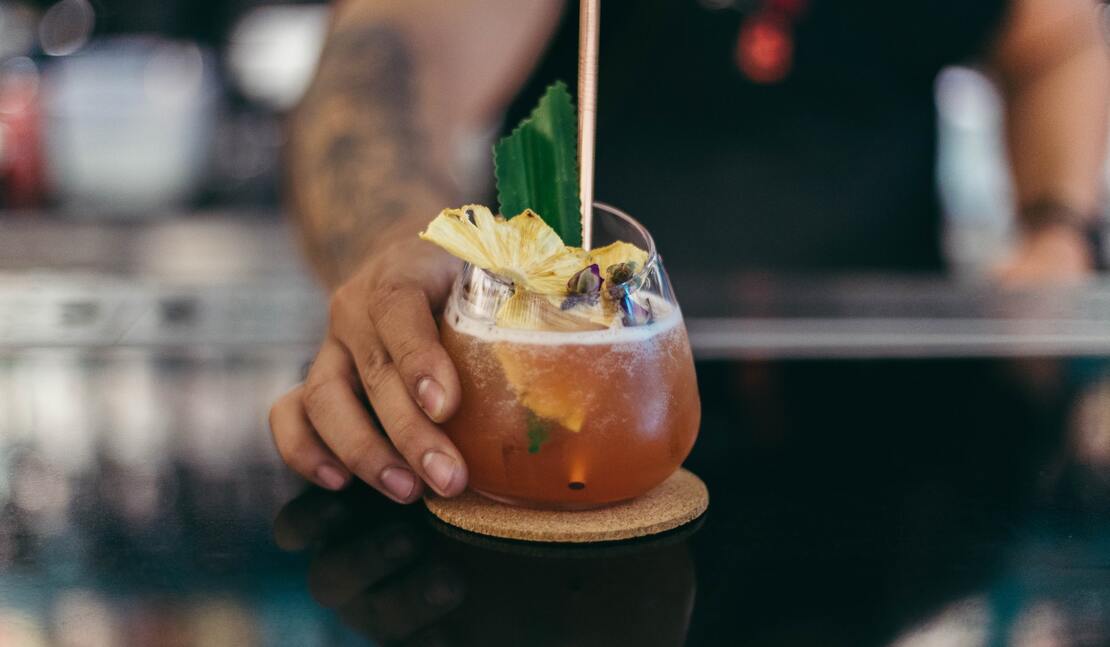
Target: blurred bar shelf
[(227, 280), (892, 317)]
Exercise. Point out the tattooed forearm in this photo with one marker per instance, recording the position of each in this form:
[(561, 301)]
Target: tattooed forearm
[(359, 161)]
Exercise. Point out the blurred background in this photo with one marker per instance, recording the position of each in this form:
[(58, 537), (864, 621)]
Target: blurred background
[(172, 111), (149, 109), (153, 303), (121, 116), (143, 138), (139, 151)]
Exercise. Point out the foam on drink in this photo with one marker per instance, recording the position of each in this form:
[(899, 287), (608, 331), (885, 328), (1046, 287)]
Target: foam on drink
[(667, 317)]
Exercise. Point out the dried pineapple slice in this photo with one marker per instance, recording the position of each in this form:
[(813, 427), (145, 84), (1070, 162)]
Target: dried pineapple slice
[(525, 250), (546, 393)]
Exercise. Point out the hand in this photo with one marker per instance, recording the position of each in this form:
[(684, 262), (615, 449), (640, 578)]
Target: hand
[(382, 347), (1052, 255)]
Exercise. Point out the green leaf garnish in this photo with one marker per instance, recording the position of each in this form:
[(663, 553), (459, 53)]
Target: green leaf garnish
[(537, 166), (538, 434)]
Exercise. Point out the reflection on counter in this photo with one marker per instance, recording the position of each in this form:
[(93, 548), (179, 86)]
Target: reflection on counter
[(395, 576), (928, 502)]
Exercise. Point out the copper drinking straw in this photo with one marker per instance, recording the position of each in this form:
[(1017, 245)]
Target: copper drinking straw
[(588, 34)]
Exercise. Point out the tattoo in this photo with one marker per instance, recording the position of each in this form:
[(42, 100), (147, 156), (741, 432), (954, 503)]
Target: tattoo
[(358, 158)]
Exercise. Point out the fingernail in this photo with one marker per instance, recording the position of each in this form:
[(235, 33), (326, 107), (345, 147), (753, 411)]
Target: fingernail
[(430, 394), (399, 482), (441, 468), (330, 477)]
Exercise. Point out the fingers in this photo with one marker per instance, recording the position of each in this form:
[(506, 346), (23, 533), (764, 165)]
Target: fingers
[(301, 447), (409, 334), (413, 368), (345, 426), (402, 317), (423, 445)]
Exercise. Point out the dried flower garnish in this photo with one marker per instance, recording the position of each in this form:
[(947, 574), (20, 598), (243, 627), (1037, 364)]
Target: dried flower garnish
[(621, 272), (584, 288), (617, 253)]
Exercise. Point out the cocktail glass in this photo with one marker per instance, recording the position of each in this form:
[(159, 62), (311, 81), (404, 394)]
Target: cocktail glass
[(573, 416)]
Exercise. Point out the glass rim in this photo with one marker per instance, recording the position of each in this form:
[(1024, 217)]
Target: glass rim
[(653, 255), (641, 281)]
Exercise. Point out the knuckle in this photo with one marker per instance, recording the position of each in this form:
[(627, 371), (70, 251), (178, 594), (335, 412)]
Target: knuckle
[(408, 436), (290, 451), (414, 354), (277, 411), (336, 306), (317, 394), (286, 445), (343, 302), (376, 366), (298, 444), (390, 293), (363, 459)]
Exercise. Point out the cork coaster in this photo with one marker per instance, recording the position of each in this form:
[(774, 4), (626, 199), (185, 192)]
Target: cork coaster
[(548, 550), (678, 500)]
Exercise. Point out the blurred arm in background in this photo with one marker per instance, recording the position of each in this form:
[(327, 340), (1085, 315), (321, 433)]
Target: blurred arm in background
[(1054, 71), (400, 84)]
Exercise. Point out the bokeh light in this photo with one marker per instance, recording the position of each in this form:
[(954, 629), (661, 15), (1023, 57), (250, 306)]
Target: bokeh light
[(174, 74), (66, 27), (273, 52), (17, 29)]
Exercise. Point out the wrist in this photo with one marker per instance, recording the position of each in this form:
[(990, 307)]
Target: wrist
[(403, 232), (1068, 247)]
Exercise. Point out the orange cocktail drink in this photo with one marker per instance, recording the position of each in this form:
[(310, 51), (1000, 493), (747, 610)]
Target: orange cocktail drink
[(579, 405)]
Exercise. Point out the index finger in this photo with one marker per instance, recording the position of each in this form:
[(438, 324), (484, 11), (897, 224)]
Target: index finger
[(402, 317), (410, 335)]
